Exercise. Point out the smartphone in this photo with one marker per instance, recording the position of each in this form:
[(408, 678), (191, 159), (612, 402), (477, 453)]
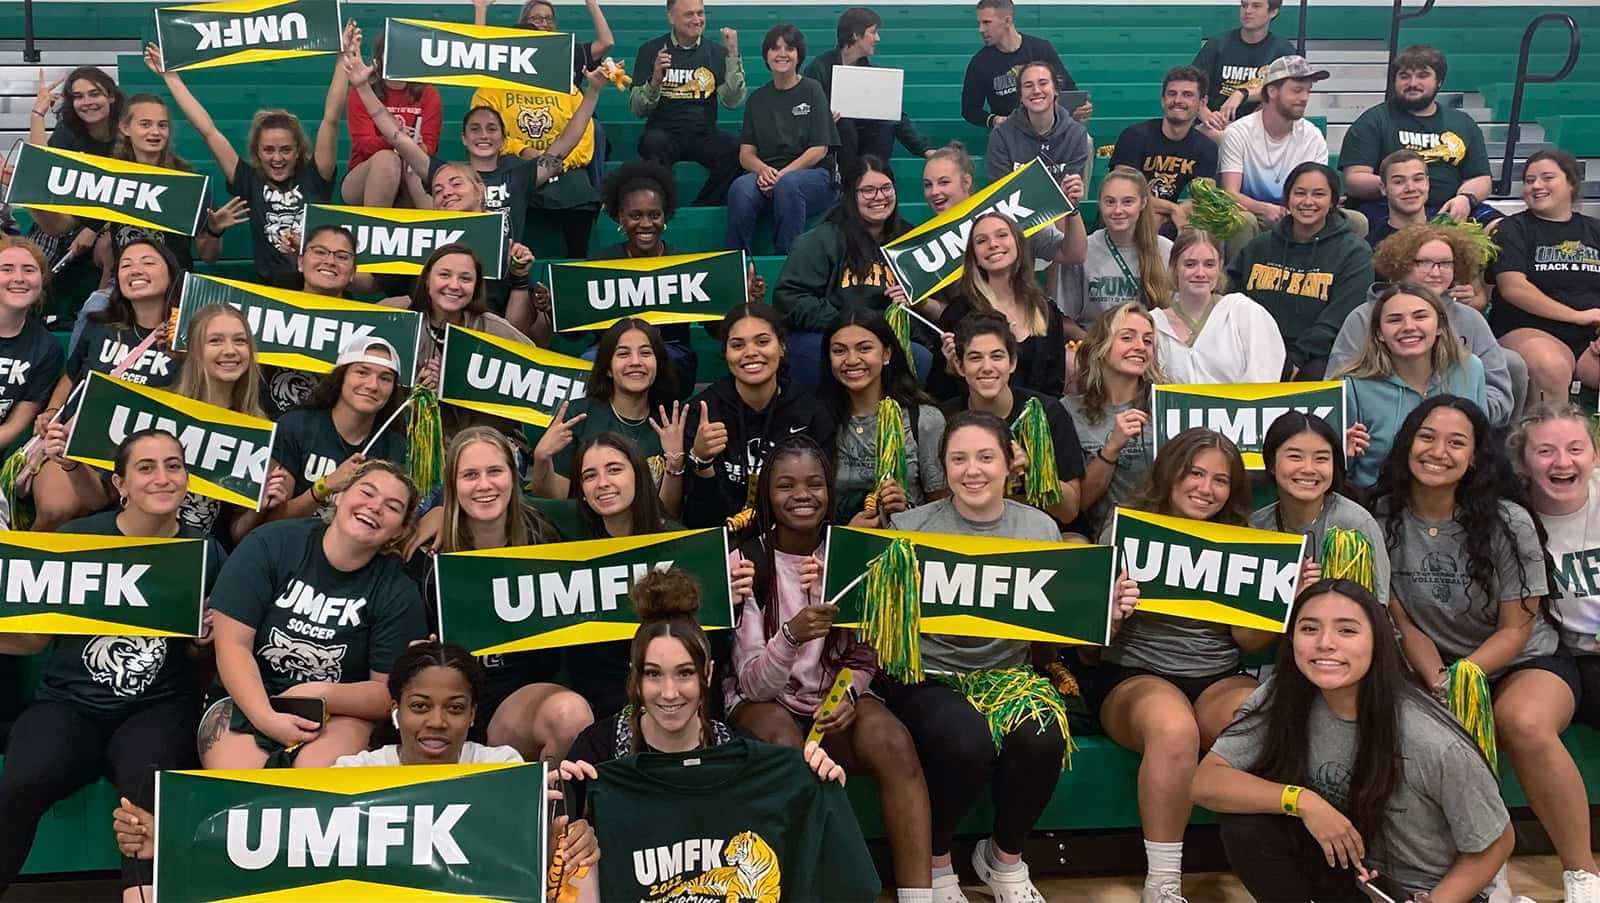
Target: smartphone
[(1377, 892), (1073, 99), (308, 707)]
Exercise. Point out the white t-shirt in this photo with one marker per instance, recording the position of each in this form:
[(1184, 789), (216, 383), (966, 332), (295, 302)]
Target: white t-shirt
[(1575, 548), (1238, 343), (471, 754), (1262, 162)]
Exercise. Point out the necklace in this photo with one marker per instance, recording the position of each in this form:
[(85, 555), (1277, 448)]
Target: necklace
[(629, 421)]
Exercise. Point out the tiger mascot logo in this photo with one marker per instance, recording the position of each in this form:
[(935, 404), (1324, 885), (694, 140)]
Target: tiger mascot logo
[(536, 124), (302, 660), (751, 874), (126, 664)]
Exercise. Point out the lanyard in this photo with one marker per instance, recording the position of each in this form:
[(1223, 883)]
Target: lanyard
[(1117, 256)]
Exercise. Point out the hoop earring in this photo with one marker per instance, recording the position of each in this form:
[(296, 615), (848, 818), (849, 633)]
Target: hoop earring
[(394, 718), (122, 501)]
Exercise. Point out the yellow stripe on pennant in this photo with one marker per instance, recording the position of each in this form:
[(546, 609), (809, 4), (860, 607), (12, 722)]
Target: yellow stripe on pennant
[(583, 550), (1224, 533), (74, 625), (349, 890), (482, 32), (1248, 391), (973, 546), (1203, 610), (354, 781), (243, 7), (253, 56), (645, 264)]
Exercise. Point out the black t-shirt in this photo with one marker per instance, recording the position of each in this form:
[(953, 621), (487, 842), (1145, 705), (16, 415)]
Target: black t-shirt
[(991, 78), (65, 137), (103, 345), (689, 88), (275, 209), (30, 366), (309, 446), (509, 187), (314, 622), (1230, 64), (1041, 359), (109, 675), (1560, 259), (1168, 165)]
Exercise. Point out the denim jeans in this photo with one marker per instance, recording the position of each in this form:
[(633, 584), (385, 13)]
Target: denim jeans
[(98, 301), (796, 196)]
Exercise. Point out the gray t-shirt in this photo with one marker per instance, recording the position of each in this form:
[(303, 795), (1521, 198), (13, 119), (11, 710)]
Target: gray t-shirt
[(1429, 577), (1133, 462), (1448, 802), (1338, 511), (1575, 548), (1101, 284), (857, 453), (960, 654), (1170, 645)]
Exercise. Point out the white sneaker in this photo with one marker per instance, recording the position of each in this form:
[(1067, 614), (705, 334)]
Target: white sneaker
[(1580, 886), (1500, 888), (1171, 892), (1005, 887), (947, 889)]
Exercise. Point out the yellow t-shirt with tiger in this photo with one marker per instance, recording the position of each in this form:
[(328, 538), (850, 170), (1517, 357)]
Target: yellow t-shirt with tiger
[(535, 118)]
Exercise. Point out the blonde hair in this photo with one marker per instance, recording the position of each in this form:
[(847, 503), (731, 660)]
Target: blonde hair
[(524, 525), (244, 396), (1189, 237), (397, 544), (1091, 377), (975, 282), (7, 242), (468, 173), (1542, 412), (278, 119), (1155, 288), (1373, 360)]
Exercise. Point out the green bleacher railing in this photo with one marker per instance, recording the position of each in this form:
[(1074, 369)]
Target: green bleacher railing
[(1400, 15), (1574, 42)]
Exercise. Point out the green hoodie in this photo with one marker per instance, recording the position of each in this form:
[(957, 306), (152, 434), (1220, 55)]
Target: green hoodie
[(815, 286), (1309, 287)]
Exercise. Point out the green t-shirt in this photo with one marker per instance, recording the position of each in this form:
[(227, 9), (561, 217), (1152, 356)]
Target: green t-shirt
[(1230, 64), (309, 446), (1449, 140), (314, 622), (741, 820), (603, 419), (782, 124), (108, 675)]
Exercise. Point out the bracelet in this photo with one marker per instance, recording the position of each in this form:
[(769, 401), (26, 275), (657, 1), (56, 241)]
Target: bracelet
[(700, 462), (1101, 454), (212, 232), (788, 635), (38, 114), (1471, 198), (517, 280), (1290, 801)]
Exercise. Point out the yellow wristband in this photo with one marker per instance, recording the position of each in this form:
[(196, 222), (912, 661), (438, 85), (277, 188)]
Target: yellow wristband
[(1290, 801)]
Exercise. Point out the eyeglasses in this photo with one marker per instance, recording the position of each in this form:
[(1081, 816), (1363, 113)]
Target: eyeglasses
[(1429, 266), (867, 192), (540, 21), (318, 252)]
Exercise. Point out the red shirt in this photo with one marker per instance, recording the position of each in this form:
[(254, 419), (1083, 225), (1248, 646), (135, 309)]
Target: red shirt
[(421, 118)]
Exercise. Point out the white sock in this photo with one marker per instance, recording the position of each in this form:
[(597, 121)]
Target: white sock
[(913, 895), (1163, 862), (941, 870)]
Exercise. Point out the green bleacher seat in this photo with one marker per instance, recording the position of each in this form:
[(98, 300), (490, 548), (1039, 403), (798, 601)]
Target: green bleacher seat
[(1576, 133)]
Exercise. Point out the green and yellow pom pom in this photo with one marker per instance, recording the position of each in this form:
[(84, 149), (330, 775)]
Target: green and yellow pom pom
[(1483, 244), (1008, 698), (1347, 555), (892, 611), (891, 461), (900, 323), (1215, 210), (22, 511), (1467, 698), (424, 440), (1040, 485)]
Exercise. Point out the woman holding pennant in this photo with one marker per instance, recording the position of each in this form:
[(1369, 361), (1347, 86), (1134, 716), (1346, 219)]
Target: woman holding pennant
[(631, 391), (1118, 363), (1167, 686), (316, 610), (327, 267), (128, 340), (121, 706), (887, 455), (284, 170), (87, 113), (27, 349), (991, 717), (787, 654), (1470, 602)]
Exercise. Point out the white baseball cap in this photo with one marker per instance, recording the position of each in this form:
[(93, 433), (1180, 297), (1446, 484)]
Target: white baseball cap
[(359, 351)]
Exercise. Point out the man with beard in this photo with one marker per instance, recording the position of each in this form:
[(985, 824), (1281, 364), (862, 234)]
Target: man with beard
[(1259, 150), (1169, 150), (1411, 118)]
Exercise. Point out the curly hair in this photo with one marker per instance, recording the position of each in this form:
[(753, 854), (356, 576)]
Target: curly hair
[(639, 175), (1394, 256), (1537, 414)]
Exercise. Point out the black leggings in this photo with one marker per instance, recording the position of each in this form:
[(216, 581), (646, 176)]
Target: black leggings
[(57, 748), (959, 759), (1589, 699), (1277, 860)]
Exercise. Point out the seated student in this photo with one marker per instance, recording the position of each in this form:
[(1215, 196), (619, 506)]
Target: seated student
[(1470, 583), (1403, 184), (284, 170), (27, 349), (327, 267), (1208, 336), (631, 392), (785, 148), (458, 187), (1321, 740), (326, 441), (1170, 151), (1548, 298), (119, 706), (1309, 271), (984, 349), (1444, 260), (858, 37), (1040, 127), (1302, 456), (1260, 150), (837, 266), (787, 654), (997, 278), (1411, 353), (376, 174), (87, 109), (991, 79), (736, 420), (866, 365), (126, 340), (341, 655), (521, 705), (1108, 401), (1126, 260), (1235, 61), (679, 80), (960, 739), (1411, 118), (1169, 685)]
